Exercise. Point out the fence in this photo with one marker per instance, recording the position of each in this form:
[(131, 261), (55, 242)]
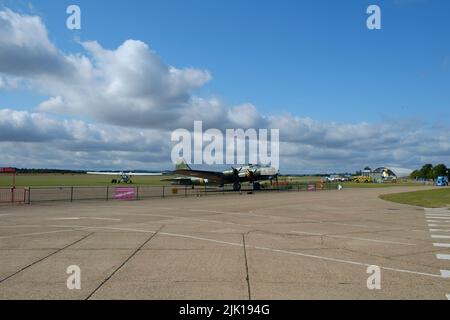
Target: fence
[(126, 192), (13, 195)]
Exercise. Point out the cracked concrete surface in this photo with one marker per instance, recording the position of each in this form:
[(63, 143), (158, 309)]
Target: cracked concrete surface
[(290, 245)]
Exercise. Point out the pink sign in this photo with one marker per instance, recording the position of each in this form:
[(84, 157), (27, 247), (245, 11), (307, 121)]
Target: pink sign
[(311, 187), (125, 193)]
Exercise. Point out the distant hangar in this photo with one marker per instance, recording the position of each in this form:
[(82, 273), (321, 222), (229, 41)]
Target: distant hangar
[(386, 174)]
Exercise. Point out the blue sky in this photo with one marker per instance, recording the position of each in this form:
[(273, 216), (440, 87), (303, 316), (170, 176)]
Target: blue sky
[(307, 59)]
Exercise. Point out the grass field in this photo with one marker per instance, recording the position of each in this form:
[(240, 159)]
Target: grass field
[(46, 180), (437, 198), (380, 185)]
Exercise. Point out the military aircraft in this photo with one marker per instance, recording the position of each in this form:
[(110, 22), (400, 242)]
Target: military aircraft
[(187, 181), (123, 177), (249, 173)]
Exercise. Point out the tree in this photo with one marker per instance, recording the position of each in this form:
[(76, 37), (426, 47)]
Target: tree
[(426, 171), (439, 170), (415, 174)]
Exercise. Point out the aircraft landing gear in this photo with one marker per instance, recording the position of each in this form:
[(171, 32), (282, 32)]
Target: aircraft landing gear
[(256, 186), (237, 186)]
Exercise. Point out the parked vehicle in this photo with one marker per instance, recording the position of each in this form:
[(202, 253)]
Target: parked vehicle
[(442, 181)]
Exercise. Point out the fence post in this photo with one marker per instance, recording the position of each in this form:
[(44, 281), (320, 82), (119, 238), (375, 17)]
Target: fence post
[(185, 191), (71, 194), (107, 193), (137, 193), (29, 195), (164, 188)]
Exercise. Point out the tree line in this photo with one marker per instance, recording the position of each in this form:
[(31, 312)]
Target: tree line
[(430, 172), (32, 171)]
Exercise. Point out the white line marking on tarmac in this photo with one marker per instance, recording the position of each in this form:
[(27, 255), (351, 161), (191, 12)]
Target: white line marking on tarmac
[(272, 216), (439, 230), (84, 218), (445, 274), (352, 225), (437, 221), (438, 236), (266, 249), (443, 256), (355, 238), (438, 225), (442, 245), (187, 218), (34, 234), (23, 226), (443, 218)]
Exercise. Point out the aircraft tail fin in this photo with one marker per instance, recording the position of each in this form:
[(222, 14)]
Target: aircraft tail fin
[(182, 165)]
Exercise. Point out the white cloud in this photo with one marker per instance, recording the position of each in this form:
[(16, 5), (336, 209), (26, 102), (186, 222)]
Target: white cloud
[(131, 99)]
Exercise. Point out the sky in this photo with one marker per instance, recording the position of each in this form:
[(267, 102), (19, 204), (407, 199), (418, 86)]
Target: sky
[(107, 96)]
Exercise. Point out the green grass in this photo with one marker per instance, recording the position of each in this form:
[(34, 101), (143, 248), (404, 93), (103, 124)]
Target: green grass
[(45, 180), (380, 185), (436, 198)]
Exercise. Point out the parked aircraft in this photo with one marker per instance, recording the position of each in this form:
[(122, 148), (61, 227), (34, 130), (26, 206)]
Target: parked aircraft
[(122, 176), (235, 176)]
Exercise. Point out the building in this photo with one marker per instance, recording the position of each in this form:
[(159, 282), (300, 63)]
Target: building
[(385, 174)]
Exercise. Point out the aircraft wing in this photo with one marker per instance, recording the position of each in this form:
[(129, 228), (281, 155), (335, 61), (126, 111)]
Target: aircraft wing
[(105, 173), (144, 174), (126, 173), (211, 176)]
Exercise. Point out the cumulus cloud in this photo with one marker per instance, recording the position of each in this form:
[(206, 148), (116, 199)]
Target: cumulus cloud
[(130, 100), (25, 49)]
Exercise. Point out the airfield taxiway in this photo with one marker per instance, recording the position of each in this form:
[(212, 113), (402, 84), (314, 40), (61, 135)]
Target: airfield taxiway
[(287, 245)]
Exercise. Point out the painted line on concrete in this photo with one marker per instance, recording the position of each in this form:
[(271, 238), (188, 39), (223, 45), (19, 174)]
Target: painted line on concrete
[(282, 217), (438, 236), (439, 230), (438, 225), (355, 238), (353, 225), (445, 274), (23, 226), (442, 245), (267, 249), (193, 219), (107, 219), (83, 218), (437, 221), (438, 212), (35, 234), (440, 218), (443, 256)]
